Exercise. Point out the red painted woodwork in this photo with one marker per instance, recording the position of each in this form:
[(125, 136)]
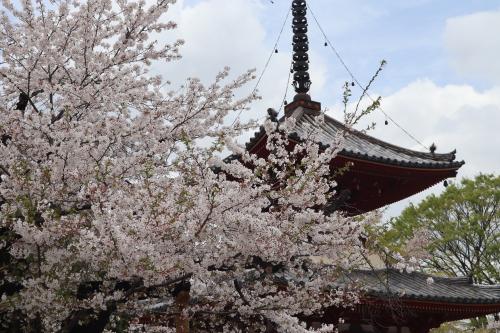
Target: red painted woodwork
[(393, 314), (373, 184)]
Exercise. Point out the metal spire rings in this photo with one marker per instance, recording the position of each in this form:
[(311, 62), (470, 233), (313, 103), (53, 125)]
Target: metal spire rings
[(301, 80)]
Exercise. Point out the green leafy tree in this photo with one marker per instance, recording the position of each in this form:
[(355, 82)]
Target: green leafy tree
[(463, 228)]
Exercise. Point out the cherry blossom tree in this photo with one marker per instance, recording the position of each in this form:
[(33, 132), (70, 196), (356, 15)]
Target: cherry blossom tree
[(118, 210)]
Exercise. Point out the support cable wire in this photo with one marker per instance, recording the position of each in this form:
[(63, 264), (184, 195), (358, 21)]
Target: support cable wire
[(273, 51), (287, 86), (337, 54)]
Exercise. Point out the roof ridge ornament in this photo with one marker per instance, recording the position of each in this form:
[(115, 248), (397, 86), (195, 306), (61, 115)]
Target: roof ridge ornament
[(301, 78)]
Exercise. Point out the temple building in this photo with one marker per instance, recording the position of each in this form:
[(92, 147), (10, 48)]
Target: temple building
[(379, 174), (397, 302)]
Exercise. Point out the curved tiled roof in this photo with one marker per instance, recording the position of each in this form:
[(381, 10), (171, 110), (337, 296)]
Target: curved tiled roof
[(414, 286), (363, 146), (359, 145)]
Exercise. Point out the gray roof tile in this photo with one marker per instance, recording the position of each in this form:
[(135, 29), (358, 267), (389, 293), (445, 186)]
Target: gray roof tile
[(361, 145), (390, 282)]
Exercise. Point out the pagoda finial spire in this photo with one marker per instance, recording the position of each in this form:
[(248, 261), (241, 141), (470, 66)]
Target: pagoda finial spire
[(301, 79)]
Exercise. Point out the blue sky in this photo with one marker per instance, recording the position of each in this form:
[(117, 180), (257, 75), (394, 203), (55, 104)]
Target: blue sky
[(442, 81)]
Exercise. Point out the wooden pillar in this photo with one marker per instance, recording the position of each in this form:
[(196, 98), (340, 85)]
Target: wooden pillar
[(182, 322)]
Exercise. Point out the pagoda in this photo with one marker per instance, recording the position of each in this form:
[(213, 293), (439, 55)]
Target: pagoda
[(378, 174)]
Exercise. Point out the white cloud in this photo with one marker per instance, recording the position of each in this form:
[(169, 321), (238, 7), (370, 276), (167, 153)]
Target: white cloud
[(473, 44), (453, 116), (220, 33)]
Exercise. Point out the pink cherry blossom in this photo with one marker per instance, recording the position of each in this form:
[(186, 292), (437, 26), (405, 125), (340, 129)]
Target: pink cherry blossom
[(116, 199)]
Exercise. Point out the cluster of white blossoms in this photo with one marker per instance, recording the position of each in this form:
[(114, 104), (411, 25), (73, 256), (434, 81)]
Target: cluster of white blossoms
[(494, 324), (114, 196)]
